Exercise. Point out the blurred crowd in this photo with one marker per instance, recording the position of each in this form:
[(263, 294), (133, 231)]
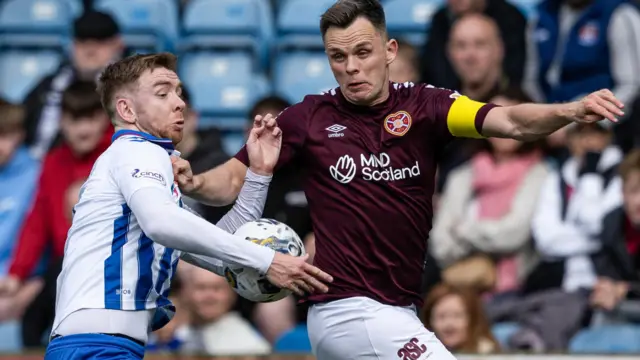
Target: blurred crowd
[(535, 246)]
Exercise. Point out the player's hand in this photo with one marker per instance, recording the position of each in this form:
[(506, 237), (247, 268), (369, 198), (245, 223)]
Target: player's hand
[(263, 145), (598, 106), (9, 286), (295, 274), (183, 175)]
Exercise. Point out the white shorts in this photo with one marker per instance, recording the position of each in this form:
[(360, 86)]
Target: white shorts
[(360, 328)]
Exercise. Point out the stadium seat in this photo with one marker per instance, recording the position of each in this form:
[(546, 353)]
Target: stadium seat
[(298, 23), (503, 331), (223, 85), (35, 23), (232, 142), (228, 24), (149, 24), (410, 19), (301, 73), (295, 341), (609, 339), (76, 7), (11, 339), (528, 7), (21, 70)]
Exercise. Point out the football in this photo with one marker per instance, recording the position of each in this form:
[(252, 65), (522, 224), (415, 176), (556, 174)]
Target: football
[(247, 282)]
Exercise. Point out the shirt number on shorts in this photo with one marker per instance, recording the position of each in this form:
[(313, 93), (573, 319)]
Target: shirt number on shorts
[(412, 350)]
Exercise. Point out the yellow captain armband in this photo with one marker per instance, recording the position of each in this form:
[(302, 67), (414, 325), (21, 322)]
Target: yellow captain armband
[(461, 119)]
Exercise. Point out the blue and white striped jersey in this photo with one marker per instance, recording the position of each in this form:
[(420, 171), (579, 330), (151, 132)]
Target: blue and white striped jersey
[(109, 263)]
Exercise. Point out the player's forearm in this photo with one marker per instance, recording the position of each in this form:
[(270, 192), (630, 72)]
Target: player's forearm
[(221, 185), (535, 121), (250, 202), (167, 224)]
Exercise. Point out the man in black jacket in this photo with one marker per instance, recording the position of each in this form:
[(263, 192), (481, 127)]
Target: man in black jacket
[(96, 43), (617, 291), (436, 67)]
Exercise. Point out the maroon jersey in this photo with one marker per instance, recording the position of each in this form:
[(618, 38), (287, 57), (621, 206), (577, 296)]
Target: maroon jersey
[(369, 176)]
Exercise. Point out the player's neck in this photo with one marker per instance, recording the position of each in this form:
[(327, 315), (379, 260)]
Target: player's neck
[(134, 128)]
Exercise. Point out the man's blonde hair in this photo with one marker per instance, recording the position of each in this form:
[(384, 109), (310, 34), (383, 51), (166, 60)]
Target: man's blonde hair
[(126, 72)]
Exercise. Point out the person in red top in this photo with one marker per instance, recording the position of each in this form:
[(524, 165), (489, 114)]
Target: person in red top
[(368, 153), (86, 132)]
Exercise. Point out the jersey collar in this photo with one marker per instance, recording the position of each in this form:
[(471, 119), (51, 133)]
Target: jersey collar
[(166, 144)]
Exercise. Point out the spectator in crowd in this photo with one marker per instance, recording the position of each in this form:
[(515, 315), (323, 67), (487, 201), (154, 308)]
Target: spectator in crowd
[(616, 294), (87, 133), (566, 227), (203, 149), (96, 43), (457, 318), (600, 49), (404, 67), (436, 67), (476, 51), (215, 329), (484, 218), (18, 178)]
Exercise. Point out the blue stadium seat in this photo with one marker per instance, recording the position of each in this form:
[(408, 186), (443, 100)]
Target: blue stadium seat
[(10, 333), (410, 19), (35, 23), (232, 142), (228, 24), (151, 24), (298, 23), (295, 341), (302, 73), (224, 86), (76, 7), (528, 7), (503, 331), (21, 70), (609, 339)]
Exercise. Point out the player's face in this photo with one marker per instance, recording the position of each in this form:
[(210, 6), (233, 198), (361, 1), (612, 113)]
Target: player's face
[(359, 56), (9, 142), (158, 105), (210, 296), (475, 51), (631, 192), (450, 321), (83, 134)]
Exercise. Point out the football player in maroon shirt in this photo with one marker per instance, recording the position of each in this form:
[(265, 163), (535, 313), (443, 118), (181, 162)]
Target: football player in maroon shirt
[(368, 151)]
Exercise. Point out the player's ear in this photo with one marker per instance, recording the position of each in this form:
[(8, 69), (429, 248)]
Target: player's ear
[(125, 110), (392, 50)]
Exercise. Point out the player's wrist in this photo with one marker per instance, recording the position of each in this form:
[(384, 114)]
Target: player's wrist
[(254, 177), (260, 171)]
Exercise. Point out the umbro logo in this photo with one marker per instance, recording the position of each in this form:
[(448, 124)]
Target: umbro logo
[(336, 130)]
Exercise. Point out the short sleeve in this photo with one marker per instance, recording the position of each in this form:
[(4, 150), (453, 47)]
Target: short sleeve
[(455, 115), (138, 165), (293, 122)]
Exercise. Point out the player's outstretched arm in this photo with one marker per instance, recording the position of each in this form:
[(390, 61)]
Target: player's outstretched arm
[(534, 121), (248, 207), (166, 223), (221, 185)]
